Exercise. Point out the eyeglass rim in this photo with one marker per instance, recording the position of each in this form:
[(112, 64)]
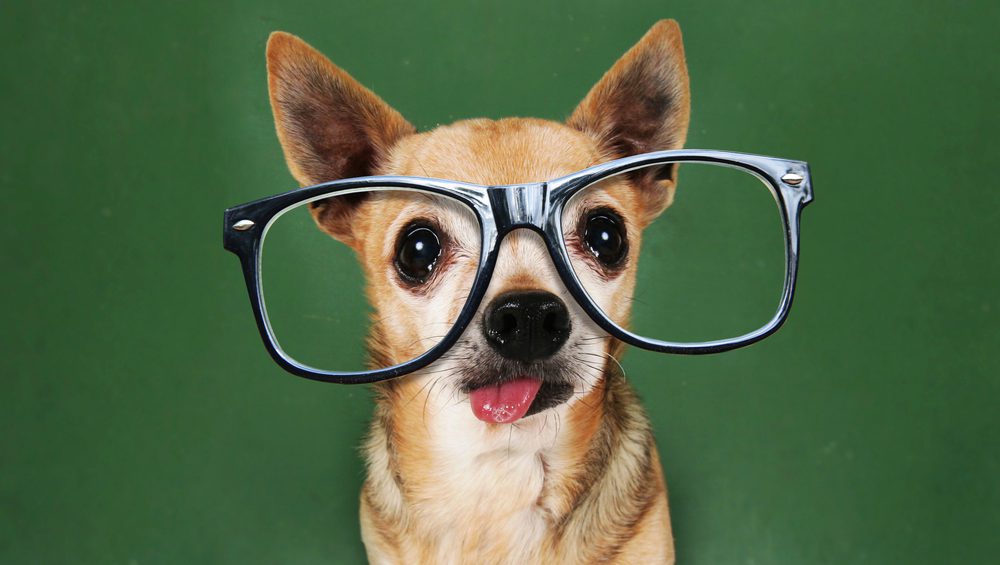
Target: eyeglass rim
[(245, 226)]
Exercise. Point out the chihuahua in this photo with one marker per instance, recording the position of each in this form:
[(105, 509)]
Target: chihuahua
[(524, 449)]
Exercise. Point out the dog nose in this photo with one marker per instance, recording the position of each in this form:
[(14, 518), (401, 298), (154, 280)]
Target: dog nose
[(526, 326)]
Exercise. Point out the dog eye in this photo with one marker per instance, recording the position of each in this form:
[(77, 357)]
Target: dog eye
[(604, 235), (417, 252)]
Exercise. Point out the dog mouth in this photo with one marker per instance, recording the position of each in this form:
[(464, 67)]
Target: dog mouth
[(508, 400)]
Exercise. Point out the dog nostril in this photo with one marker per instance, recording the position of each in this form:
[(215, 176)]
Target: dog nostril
[(555, 322), (508, 324), (526, 326)]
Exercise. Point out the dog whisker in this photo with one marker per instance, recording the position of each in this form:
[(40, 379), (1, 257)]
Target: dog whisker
[(616, 362), (420, 339), (439, 370), (416, 394), (427, 397), (637, 300), (589, 364), (593, 337)]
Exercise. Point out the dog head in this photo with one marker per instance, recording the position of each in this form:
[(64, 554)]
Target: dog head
[(530, 347)]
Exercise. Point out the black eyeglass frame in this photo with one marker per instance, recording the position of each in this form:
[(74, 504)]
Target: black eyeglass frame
[(502, 209)]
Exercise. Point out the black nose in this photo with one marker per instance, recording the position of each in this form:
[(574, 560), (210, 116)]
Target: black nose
[(526, 326)]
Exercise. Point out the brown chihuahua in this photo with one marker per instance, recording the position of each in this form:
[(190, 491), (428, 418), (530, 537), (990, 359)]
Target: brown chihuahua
[(555, 466)]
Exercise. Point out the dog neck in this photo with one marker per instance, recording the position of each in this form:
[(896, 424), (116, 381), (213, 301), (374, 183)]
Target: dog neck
[(438, 475)]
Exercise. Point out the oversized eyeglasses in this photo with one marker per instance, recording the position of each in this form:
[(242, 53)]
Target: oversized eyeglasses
[(708, 270)]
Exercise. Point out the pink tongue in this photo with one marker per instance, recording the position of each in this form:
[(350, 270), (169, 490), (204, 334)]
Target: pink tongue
[(504, 403)]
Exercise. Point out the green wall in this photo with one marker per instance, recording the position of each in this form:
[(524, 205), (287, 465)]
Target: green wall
[(141, 420)]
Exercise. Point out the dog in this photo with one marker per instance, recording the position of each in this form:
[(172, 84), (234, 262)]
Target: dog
[(568, 471)]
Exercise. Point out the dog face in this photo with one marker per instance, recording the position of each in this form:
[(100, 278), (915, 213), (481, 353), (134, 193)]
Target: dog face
[(530, 348)]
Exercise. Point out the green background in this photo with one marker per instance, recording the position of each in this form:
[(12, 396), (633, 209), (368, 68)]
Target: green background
[(141, 420)]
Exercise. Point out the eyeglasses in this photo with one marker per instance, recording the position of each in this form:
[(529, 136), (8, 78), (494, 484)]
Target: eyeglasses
[(410, 259)]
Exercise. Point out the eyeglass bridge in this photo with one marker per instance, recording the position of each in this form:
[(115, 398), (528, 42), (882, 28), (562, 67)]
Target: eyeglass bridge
[(520, 205)]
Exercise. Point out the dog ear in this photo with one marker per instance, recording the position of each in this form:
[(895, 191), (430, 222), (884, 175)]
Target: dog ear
[(643, 104), (330, 127)]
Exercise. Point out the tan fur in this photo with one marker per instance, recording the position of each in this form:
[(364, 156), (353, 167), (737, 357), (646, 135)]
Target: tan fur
[(577, 483)]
